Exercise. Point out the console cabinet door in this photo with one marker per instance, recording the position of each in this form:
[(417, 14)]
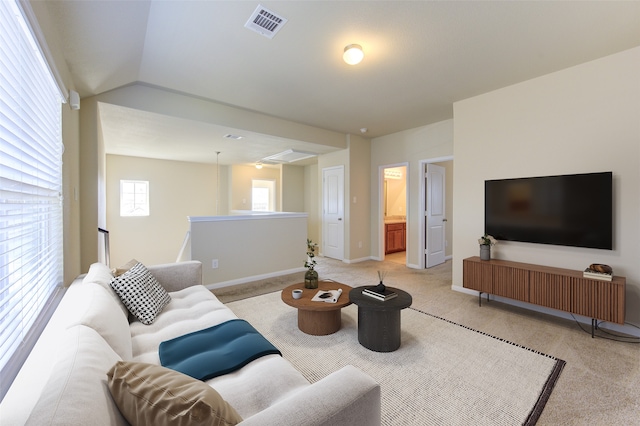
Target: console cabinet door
[(510, 282), (476, 276), (598, 299), (550, 290)]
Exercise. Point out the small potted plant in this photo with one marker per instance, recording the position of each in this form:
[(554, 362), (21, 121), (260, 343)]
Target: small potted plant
[(486, 241), (311, 276)]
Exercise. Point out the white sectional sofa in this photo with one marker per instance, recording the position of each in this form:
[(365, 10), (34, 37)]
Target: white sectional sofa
[(64, 380)]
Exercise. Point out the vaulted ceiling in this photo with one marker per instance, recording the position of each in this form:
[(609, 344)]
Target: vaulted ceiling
[(420, 56)]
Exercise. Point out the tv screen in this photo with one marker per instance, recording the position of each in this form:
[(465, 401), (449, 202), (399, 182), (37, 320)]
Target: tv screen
[(569, 210)]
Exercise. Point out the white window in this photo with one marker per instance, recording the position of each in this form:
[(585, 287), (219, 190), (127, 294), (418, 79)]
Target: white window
[(31, 263), (263, 195), (134, 198)]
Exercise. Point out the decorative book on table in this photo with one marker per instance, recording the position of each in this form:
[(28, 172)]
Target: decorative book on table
[(598, 271), (329, 296), (383, 295), (590, 273)]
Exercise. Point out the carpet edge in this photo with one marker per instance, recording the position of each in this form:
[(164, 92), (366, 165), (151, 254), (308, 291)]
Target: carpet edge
[(538, 407)]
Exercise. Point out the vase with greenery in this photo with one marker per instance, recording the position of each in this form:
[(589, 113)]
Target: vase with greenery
[(311, 276), (486, 241)]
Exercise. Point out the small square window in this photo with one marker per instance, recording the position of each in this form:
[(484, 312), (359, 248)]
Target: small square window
[(134, 198)]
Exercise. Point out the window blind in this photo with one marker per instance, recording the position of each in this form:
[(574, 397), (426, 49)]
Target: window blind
[(31, 249)]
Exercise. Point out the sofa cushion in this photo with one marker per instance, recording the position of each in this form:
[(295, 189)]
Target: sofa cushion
[(191, 309), (149, 394), (141, 293), (96, 309), (100, 273), (76, 393), (260, 384)]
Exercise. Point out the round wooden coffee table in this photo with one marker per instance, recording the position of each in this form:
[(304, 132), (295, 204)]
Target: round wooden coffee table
[(318, 318), (378, 321)]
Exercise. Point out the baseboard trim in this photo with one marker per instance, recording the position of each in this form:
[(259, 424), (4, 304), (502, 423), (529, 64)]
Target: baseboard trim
[(362, 259), (244, 280)]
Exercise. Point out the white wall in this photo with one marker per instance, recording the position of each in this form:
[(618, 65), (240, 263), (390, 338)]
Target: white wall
[(409, 146), (248, 247), (582, 119)]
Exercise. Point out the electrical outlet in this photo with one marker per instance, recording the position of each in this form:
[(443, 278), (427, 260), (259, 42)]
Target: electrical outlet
[(214, 263), (359, 244)]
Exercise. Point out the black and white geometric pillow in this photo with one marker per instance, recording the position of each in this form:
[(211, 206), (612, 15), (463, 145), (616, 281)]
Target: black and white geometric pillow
[(141, 293)]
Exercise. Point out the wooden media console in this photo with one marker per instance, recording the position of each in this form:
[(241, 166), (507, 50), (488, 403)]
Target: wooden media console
[(563, 289)]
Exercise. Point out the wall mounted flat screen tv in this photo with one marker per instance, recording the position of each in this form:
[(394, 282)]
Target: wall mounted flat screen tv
[(569, 210)]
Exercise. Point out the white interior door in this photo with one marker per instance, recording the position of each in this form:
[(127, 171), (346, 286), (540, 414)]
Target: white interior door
[(435, 219), (333, 212)]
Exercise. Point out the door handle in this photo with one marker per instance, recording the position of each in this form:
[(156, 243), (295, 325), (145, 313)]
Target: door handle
[(444, 220), (339, 218)]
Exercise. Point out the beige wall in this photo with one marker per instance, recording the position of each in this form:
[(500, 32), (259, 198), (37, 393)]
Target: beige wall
[(241, 185), (358, 199), (292, 188), (176, 190), (71, 192), (579, 120), (410, 147), (312, 202)]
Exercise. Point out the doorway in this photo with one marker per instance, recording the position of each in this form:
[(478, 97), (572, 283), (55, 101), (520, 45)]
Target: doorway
[(394, 213)]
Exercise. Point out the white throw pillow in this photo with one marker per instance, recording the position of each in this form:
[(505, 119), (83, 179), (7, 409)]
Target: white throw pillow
[(141, 293)]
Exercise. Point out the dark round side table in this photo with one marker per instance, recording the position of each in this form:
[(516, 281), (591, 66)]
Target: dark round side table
[(379, 321)]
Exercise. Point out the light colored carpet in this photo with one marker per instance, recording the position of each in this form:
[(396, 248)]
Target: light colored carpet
[(443, 373)]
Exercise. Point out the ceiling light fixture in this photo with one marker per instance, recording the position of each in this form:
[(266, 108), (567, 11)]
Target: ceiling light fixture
[(353, 54), (394, 173), (258, 165)]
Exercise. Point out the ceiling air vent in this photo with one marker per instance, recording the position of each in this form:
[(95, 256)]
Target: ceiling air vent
[(230, 136), (288, 156), (265, 22)]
